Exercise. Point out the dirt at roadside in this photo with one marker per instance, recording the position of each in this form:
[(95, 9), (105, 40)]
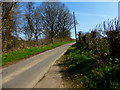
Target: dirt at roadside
[(54, 78)]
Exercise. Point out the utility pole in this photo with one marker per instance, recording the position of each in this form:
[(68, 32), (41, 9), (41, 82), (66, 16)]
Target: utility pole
[(75, 26), (119, 13)]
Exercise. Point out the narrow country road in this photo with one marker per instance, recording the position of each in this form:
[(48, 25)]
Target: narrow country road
[(26, 73)]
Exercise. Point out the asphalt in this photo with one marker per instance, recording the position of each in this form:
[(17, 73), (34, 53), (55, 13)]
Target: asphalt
[(27, 73)]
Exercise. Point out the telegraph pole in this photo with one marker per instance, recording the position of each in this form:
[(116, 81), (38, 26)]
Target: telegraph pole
[(75, 26), (119, 13)]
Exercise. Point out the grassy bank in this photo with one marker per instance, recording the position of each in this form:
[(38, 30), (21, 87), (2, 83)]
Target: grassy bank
[(24, 53), (83, 66)]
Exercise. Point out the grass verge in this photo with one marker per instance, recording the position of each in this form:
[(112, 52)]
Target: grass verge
[(83, 67), (24, 53)]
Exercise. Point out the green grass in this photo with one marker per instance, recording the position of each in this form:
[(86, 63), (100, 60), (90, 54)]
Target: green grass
[(82, 66), (24, 53)]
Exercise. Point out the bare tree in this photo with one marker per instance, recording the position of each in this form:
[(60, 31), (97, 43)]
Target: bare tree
[(29, 27), (8, 24), (56, 20), (32, 27), (37, 24)]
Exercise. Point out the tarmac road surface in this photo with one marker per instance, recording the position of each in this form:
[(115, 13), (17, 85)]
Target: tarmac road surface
[(26, 73)]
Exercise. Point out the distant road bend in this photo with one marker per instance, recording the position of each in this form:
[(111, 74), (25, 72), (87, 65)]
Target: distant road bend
[(26, 73)]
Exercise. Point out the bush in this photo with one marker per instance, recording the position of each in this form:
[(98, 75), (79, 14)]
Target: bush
[(83, 66)]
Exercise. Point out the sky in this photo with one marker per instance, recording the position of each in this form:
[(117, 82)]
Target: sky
[(90, 14)]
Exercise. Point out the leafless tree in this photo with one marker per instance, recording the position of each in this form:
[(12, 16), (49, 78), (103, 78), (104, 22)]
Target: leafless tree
[(37, 24), (32, 27), (56, 20), (29, 27), (8, 23)]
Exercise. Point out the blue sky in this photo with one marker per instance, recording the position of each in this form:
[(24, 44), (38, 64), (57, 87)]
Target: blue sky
[(90, 14)]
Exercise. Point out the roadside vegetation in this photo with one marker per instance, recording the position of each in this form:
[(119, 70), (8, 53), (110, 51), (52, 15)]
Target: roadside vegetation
[(94, 61), (32, 24), (24, 53), (31, 27)]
